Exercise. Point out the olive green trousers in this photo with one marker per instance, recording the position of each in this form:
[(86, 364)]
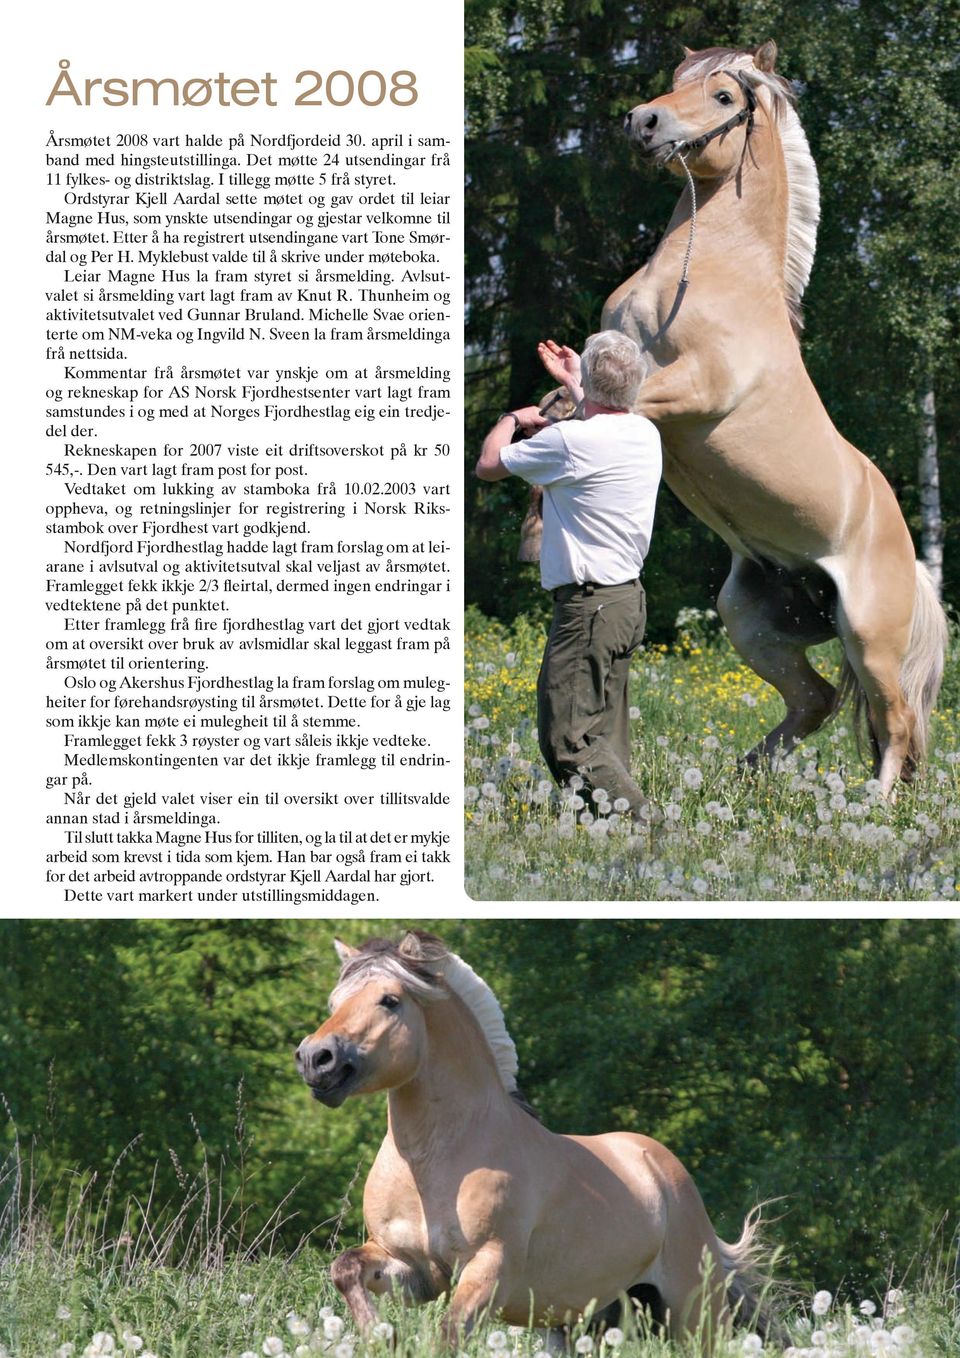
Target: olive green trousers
[(583, 714)]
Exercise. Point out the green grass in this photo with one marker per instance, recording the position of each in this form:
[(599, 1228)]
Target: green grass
[(182, 1281), (92, 1295), (811, 828)]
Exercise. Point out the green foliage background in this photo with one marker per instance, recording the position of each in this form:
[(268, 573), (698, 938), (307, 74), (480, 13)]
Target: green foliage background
[(812, 1061), (560, 213)]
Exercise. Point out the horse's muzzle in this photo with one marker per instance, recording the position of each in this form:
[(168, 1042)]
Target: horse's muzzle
[(330, 1067)]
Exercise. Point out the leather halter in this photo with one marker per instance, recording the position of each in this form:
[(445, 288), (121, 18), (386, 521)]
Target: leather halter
[(744, 116)]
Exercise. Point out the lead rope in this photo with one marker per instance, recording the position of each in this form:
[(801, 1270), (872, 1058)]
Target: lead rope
[(693, 222)]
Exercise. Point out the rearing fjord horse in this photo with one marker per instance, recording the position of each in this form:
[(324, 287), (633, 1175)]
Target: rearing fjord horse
[(470, 1192), (820, 547)]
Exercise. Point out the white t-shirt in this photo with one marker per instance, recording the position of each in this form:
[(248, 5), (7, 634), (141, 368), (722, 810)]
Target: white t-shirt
[(600, 478)]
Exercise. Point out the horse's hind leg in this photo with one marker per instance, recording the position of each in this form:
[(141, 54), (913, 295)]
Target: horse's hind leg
[(873, 620), (694, 1295), (771, 626)]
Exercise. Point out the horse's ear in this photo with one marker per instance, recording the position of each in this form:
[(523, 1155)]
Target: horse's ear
[(344, 951), (420, 946), (765, 57), (410, 946), (687, 51)]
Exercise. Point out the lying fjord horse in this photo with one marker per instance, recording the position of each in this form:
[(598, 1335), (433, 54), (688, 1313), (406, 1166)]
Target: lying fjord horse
[(820, 547), (469, 1190)]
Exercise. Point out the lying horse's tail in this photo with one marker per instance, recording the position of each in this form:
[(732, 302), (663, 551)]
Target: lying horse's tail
[(921, 672), (753, 1296)]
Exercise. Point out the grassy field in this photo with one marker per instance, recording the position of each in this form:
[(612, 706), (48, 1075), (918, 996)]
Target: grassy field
[(87, 1300), (186, 1280), (811, 828)]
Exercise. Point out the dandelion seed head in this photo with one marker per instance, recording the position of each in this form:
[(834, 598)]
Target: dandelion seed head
[(273, 1346), (822, 1302), (613, 1337), (584, 1344), (332, 1327)]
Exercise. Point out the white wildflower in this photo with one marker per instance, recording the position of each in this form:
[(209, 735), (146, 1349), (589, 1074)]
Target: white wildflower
[(822, 1302), (344, 1349), (497, 1341), (584, 1344), (131, 1342), (245, 1299), (273, 1346), (383, 1330), (693, 779), (903, 1335), (751, 1343), (613, 1337), (297, 1327), (332, 1327), (868, 1308)]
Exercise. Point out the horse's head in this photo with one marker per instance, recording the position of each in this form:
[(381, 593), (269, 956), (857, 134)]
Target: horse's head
[(375, 1037), (708, 115)]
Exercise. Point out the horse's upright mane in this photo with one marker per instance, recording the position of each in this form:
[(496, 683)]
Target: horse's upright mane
[(802, 182), (423, 975)]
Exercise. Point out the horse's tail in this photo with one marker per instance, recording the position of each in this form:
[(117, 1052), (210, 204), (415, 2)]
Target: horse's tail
[(921, 672), (753, 1295)]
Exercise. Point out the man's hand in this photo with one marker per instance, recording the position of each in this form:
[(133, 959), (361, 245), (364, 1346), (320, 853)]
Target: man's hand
[(563, 365), (528, 420)]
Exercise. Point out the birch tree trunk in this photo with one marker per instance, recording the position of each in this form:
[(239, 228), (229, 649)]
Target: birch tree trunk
[(931, 539)]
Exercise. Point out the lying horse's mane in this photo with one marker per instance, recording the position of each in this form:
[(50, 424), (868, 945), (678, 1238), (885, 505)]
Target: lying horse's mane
[(803, 185), (429, 974)]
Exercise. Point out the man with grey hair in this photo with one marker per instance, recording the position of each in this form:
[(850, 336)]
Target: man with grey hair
[(600, 477)]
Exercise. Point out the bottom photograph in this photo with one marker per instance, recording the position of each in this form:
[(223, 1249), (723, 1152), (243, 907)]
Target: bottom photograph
[(630, 1138)]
